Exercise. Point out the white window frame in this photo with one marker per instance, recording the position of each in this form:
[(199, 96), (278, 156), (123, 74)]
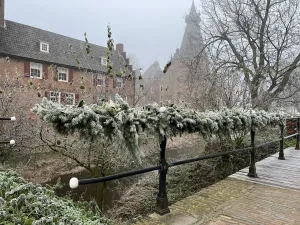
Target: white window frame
[(58, 96), (100, 78), (103, 61), (152, 89), (67, 97), (36, 66), (119, 80), (63, 70), (99, 99), (42, 45)]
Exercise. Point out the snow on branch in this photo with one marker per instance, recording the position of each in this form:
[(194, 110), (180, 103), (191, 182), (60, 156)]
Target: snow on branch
[(116, 120)]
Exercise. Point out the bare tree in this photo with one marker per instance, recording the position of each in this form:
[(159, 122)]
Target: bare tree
[(257, 39)]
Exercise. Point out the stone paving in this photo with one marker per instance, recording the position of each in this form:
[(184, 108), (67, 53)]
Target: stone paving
[(237, 201)]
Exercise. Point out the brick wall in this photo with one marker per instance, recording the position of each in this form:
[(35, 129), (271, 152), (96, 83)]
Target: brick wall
[(17, 70)]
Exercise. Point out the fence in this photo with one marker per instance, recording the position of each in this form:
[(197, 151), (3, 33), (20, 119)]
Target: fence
[(162, 205), (12, 142)]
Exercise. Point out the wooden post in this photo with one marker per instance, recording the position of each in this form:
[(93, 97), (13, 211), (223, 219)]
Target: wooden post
[(162, 204), (252, 167), (281, 153)]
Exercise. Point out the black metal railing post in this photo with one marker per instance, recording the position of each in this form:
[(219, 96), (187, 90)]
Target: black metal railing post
[(252, 167), (162, 204), (281, 152), (298, 135)]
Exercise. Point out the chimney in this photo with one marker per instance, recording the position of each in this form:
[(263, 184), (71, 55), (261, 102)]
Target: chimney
[(2, 21), (127, 61), (120, 48), (124, 55)]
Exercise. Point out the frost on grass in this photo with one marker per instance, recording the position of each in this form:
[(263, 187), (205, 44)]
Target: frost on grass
[(117, 120), (25, 203)]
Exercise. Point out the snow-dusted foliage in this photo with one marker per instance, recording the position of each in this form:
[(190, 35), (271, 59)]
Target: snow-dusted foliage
[(26, 203), (118, 120)]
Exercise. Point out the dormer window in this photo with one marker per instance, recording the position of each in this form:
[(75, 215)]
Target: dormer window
[(103, 61), (44, 47)]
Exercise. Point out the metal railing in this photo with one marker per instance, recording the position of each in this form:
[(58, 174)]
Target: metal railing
[(12, 142), (162, 204)]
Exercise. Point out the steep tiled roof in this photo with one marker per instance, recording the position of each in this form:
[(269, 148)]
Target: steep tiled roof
[(24, 41), (154, 70)]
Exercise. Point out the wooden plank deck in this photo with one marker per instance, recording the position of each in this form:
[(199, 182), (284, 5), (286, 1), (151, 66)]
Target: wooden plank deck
[(271, 199), (274, 172)]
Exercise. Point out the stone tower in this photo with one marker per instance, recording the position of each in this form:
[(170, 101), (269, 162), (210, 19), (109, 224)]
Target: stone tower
[(192, 41), (173, 86)]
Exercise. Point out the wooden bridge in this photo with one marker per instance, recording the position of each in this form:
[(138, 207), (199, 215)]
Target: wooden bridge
[(271, 198)]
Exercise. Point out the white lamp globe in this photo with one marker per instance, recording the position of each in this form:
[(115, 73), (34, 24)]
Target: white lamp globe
[(73, 182), (13, 118), (12, 142)]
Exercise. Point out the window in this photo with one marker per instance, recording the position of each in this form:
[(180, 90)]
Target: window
[(69, 99), (152, 77), (100, 81), (55, 96), (161, 88), (44, 47), (100, 101), (152, 89), (36, 70), (62, 74), (119, 82), (104, 61)]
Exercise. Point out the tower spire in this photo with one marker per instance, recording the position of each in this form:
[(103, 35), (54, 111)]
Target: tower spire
[(193, 8), (192, 41)]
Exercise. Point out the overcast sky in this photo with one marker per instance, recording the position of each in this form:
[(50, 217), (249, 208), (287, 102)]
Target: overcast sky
[(149, 29)]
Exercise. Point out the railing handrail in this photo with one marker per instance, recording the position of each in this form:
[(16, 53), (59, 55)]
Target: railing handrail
[(12, 142), (162, 201)]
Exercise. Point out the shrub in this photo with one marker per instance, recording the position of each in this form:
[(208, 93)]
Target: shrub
[(25, 203)]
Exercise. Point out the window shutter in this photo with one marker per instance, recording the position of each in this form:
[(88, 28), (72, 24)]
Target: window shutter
[(94, 99), (95, 80), (26, 69), (45, 71), (70, 75), (62, 98), (76, 98), (47, 95), (106, 79)]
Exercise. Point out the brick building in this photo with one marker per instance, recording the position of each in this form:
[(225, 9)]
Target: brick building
[(148, 89), (58, 67)]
